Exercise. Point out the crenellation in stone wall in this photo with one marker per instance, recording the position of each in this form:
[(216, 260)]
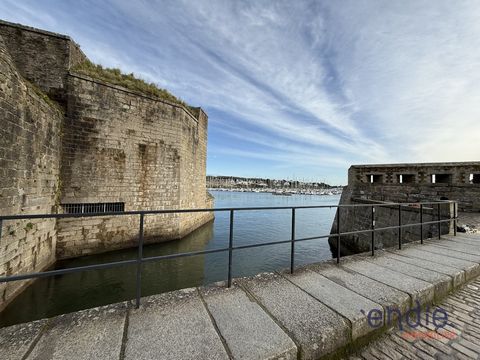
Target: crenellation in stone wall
[(406, 183), (459, 187)]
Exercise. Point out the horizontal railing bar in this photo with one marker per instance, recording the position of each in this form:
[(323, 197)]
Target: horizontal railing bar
[(200, 252), (389, 228), (180, 211)]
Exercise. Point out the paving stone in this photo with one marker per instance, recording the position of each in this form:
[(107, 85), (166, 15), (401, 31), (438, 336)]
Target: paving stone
[(16, 340), (171, 326), (472, 269), (249, 332), (465, 350), (470, 345), (376, 291), (389, 351), (440, 346), (423, 346), (417, 289), (457, 275), (436, 249), (315, 327), (342, 300), (459, 246), (90, 334), (443, 284), (468, 239), (401, 345)]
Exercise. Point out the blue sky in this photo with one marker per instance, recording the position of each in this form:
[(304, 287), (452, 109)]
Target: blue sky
[(296, 89)]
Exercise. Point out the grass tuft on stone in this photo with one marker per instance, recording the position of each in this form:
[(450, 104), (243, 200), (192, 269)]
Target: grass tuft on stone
[(129, 81)]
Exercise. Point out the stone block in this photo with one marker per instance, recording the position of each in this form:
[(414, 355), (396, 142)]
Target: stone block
[(343, 301), (314, 327), (90, 334), (173, 326), (248, 331)]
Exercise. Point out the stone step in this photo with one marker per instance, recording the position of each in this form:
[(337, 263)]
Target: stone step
[(316, 329), (248, 331), (345, 302), (457, 275), (443, 283), (173, 325), (91, 334), (471, 269), (458, 245), (436, 249), (417, 289), (16, 340), (475, 240), (378, 292)]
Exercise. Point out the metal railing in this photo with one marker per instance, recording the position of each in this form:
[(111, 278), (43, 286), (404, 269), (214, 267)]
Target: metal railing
[(140, 259)]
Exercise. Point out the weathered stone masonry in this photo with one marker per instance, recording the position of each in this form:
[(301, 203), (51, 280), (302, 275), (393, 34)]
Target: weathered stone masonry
[(28, 183), (404, 183), (96, 143)]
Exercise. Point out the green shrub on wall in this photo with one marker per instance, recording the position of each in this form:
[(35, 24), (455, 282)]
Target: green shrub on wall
[(129, 81)]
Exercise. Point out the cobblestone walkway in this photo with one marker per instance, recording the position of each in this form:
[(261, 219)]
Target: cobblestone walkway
[(458, 340)]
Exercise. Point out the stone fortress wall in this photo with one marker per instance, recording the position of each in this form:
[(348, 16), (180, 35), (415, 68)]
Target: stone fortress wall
[(404, 183), (29, 183), (73, 143)]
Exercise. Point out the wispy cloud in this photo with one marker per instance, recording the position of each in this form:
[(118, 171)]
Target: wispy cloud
[(305, 87)]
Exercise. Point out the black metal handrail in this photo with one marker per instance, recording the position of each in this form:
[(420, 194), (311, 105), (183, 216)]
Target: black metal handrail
[(141, 259)]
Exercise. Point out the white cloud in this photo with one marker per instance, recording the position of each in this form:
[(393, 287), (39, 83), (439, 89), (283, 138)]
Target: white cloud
[(312, 83)]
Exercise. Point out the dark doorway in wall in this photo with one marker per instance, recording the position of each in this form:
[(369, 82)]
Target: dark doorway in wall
[(441, 178), (406, 178), (475, 178), (375, 179)]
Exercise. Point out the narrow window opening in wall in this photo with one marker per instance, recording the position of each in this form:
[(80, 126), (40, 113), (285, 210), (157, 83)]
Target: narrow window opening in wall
[(375, 179), (441, 178), (95, 208), (474, 179), (406, 178)]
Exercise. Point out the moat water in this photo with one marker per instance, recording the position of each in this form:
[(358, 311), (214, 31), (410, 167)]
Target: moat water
[(67, 293)]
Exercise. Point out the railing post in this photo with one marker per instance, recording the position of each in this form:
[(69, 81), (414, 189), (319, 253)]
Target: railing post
[(292, 249), (139, 264), (399, 227), (373, 230), (1, 225), (421, 223), (439, 223), (454, 219), (230, 250), (338, 235)]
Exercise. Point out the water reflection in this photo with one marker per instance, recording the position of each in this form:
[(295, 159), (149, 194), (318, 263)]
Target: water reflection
[(66, 293), (47, 297)]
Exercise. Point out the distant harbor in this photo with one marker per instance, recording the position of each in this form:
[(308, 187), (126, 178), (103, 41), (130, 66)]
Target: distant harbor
[(285, 192), (273, 186)]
